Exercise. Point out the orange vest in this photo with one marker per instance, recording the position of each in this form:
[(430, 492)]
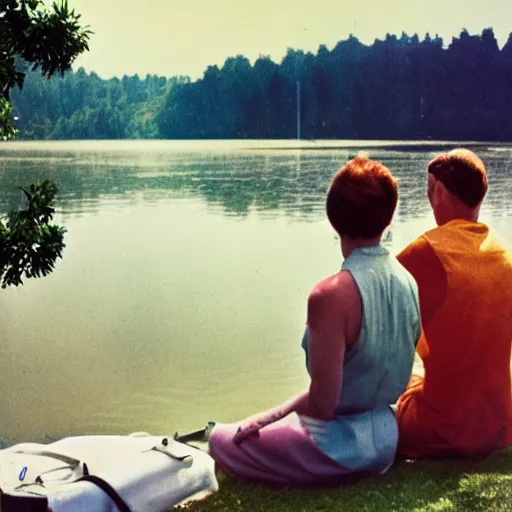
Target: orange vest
[(463, 406)]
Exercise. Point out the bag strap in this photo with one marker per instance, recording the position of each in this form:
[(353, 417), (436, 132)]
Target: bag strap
[(80, 469), (108, 490)]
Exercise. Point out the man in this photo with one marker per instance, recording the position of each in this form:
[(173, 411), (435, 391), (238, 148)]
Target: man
[(463, 405)]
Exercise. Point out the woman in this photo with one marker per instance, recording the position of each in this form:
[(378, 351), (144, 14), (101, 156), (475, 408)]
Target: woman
[(362, 327)]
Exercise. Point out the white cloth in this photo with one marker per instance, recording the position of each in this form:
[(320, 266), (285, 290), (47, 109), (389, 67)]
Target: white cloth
[(149, 475)]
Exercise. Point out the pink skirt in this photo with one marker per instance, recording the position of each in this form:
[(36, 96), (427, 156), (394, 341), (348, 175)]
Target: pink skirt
[(284, 454)]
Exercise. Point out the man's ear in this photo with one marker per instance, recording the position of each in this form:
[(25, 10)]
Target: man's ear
[(431, 182)]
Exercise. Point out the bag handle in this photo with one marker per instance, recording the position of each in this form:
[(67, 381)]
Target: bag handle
[(70, 461), (78, 468)]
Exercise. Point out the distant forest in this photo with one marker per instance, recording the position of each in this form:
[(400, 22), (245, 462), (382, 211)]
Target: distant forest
[(396, 88)]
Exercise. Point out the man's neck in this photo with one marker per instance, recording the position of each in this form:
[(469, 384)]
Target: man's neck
[(448, 207), (444, 218)]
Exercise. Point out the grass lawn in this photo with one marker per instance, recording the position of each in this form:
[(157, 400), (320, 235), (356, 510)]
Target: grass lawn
[(467, 485)]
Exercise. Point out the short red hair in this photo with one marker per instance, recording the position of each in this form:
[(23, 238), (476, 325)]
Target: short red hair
[(462, 173), (361, 199)]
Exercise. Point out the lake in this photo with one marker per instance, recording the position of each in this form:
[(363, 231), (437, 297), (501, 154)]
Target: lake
[(181, 297)]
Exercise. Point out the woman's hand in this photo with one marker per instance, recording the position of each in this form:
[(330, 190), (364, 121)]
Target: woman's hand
[(251, 430), (252, 426)]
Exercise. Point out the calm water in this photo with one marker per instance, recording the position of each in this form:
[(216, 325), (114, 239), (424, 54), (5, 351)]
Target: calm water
[(181, 296)]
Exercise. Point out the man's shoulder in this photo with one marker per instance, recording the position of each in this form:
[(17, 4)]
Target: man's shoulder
[(419, 247), (421, 259), (500, 243), (458, 232)]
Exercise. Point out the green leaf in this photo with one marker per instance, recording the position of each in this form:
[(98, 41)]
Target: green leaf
[(29, 245)]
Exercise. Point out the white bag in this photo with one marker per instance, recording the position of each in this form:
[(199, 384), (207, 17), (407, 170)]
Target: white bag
[(138, 473)]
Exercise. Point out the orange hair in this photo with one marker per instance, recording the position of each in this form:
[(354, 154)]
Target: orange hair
[(361, 199), (462, 173)]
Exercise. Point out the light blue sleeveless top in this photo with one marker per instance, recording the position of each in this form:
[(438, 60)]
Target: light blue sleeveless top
[(377, 367)]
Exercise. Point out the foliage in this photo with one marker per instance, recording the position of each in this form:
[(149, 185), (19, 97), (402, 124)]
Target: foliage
[(29, 244), (396, 88), (79, 105), (7, 130), (49, 39)]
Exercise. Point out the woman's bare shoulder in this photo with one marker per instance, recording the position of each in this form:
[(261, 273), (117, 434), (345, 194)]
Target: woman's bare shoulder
[(339, 288)]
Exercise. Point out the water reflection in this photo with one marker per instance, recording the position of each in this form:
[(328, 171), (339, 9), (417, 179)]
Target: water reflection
[(184, 279), (290, 182)]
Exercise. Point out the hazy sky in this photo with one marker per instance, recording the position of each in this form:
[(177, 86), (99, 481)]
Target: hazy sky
[(182, 37)]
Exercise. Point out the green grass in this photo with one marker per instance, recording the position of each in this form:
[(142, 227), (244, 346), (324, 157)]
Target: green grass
[(421, 486)]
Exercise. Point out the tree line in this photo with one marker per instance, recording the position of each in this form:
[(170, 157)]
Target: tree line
[(80, 105), (396, 88)]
